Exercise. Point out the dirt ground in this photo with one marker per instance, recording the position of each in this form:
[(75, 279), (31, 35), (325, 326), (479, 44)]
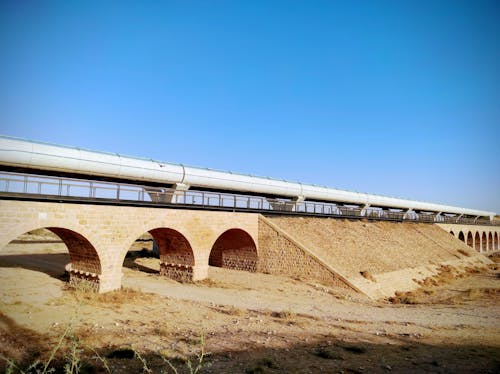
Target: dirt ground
[(242, 322)]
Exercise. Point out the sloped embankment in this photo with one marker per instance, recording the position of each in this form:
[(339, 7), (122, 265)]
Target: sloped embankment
[(376, 258)]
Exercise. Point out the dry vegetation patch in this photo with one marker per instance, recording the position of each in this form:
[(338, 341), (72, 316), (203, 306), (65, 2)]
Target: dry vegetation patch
[(84, 295), (366, 274), (495, 257), (438, 290)]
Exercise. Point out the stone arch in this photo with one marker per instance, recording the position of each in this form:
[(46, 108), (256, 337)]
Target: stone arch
[(234, 249), (470, 240), (176, 254), (484, 241), (477, 242), (461, 236), (495, 241), (85, 263), (490, 241), (452, 233)]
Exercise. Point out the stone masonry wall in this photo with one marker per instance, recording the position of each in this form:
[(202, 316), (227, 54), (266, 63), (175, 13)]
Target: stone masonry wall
[(240, 259), (84, 258), (279, 255), (180, 273), (235, 250)]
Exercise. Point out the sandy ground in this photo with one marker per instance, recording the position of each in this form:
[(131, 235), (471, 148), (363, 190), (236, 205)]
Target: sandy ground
[(250, 323)]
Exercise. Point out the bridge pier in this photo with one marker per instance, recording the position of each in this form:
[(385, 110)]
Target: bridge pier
[(184, 273), (110, 281)]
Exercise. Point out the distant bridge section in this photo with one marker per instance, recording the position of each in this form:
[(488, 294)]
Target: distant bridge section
[(156, 182)]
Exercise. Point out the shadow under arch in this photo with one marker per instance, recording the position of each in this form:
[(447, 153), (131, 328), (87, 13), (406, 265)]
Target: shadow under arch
[(84, 262), (490, 242), (470, 240), (234, 249), (495, 242), (484, 242), (477, 242), (175, 254), (461, 236)]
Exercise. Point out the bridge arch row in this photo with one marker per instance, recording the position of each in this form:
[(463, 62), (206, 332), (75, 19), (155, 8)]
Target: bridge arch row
[(99, 237), (481, 239), (233, 249)]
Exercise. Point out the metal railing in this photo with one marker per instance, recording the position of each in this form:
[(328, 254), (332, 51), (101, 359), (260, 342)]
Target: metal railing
[(18, 185)]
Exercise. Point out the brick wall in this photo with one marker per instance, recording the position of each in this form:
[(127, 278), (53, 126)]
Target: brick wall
[(235, 249), (84, 257), (176, 255), (180, 273), (280, 255)]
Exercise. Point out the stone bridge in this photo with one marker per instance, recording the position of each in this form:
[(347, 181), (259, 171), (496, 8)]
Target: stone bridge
[(99, 236), (484, 239)]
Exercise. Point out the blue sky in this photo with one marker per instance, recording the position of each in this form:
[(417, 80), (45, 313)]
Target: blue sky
[(400, 98)]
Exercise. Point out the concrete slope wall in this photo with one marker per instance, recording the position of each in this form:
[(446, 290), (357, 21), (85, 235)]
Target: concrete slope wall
[(391, 255)]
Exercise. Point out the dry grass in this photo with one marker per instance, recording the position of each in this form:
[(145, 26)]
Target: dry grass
[(84, 295), (229, 310), (445, 275), (495, 257), (367, 275), (464, 252), (431, 288), (211, 283), (479, 293), (287, 317)]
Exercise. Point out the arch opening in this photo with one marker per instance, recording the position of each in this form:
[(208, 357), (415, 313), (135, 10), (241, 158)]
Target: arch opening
[(452, 233), (142, 255), (484, 242), (477, 242), (461, 236), (490, 241), (163, 251), (470, 240), (59, 252), (234, 249), (495, 242), (176, 254)]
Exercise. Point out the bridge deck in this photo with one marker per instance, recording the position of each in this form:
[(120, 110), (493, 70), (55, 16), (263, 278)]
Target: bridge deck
[(22, 186)]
